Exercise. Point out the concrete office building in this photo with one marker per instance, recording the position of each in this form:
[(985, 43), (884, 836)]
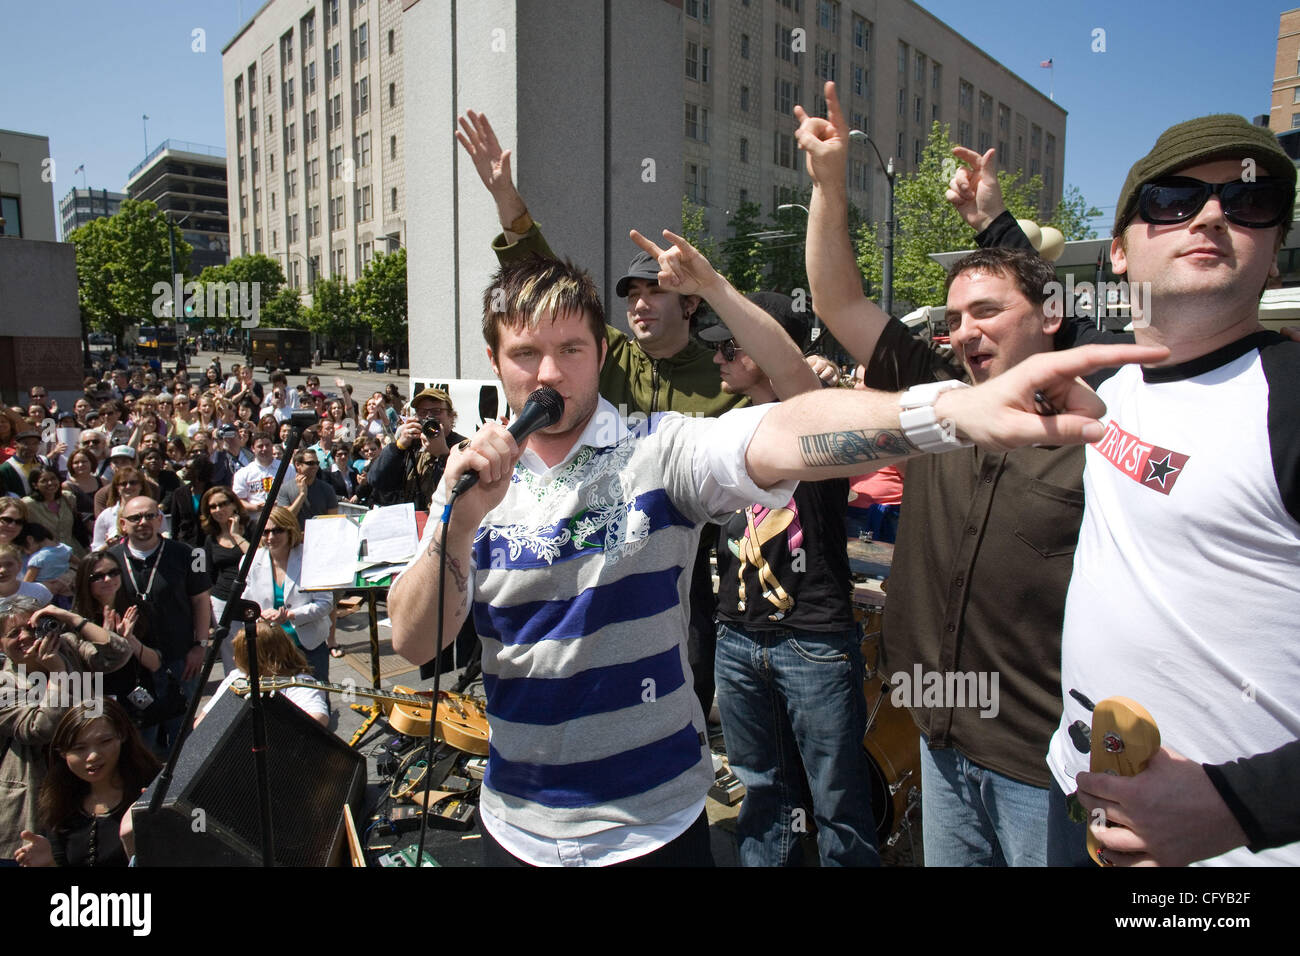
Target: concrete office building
[(583, 99), (40, 324), (314, 135), (897, 69), (187, 182), (26, 186), (80, 206), (1284, 110)]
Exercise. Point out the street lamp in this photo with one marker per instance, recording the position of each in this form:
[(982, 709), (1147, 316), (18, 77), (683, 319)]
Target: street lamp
[(886, 286), (171, 251)]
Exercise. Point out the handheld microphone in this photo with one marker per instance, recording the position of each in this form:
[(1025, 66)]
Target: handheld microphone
[(543, 409)]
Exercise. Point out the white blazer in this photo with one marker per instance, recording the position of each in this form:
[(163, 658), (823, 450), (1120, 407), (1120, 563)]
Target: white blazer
[(309, 611)]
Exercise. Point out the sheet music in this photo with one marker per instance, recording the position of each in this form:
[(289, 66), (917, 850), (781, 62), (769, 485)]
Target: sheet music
[(329, 552), (389, 535)]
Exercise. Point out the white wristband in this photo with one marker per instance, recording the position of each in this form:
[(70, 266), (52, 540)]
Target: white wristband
[(919, 423)]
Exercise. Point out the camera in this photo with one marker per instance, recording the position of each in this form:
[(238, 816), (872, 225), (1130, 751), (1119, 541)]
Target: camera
[(47, 626), (430, 427)]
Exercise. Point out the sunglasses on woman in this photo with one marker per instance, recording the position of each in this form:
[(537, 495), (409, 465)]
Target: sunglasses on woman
[(105, 575), (1256, 205)]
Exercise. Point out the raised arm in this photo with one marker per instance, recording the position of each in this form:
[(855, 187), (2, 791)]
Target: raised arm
[(683, 269), (833, 433), (493, 166), (833, 276)]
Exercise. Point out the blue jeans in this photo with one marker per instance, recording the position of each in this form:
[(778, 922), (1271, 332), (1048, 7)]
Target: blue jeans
[(1067, 841), (972, 816), (791, 701)]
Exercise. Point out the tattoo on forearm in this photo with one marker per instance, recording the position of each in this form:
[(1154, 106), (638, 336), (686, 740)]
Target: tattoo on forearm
[(453, 567), (851, 447)]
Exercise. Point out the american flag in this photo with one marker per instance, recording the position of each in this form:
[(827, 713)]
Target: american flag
[(1046, 64)]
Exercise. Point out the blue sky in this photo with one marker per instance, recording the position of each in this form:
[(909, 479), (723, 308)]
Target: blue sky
[(84, 71)]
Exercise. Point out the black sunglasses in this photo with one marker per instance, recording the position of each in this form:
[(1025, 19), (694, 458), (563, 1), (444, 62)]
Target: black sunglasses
[(728, 348), (105, 575), (1256, 205)]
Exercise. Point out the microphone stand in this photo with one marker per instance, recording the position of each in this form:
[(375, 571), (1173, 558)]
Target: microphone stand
[(248, 612)]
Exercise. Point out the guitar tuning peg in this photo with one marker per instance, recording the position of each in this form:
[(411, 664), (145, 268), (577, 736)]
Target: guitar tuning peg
[(1087, 704)]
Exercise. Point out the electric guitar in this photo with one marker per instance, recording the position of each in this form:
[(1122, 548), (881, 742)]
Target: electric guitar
[(462, 720), (1124, 738)]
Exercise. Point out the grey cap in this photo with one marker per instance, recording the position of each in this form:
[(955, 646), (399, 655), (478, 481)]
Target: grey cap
[(643, 266), (779, 307)]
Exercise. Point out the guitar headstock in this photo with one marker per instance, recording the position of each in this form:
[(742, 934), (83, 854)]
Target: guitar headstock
[(1124, 738)]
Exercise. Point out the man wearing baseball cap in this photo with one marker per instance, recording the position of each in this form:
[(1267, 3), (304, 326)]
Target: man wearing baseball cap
[(1195, 483), (410, 467)]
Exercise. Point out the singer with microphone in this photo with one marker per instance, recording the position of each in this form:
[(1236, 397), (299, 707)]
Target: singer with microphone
[(572, 550)]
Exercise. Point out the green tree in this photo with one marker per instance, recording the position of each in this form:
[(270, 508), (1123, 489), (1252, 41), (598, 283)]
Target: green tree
[(381, 300), (742, 260), (119, 263), (333, 311), (926, 223), (1072, 215), (259, 268), (284, 311), (693, 231)]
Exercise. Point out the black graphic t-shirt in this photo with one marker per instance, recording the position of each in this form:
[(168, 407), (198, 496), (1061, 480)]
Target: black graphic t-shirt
[(788, 567)]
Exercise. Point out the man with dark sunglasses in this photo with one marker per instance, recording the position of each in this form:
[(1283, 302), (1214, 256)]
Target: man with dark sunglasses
[(1195, 480), (172, 590)]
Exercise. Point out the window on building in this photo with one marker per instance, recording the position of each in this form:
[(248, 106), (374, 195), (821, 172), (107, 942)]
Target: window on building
[(986, 107), (785, 44), (916, 109), (361, 96), (239, 90), (313, 264), (336, 213), (288, 94), (861, 33), (828, 15), (899, 152), (252, 121), (785, 95), (698, 10), (916, 154), (309, 79), (308, 30), (744, 99), (936, 77), (393, 204), (290, 138), (902, 102), (934, 112), (783, 152), (827, 64), (309, 128), (391, 43), (334, 112), (334, 61), (239, 130), (392, 147), (361, 41), (986, 141), (1035, 136), (692, 61), (1004, 119), (965, 94), (902, 58), (291, 223), (744, 196), (363, 150), (704, 64), (255, 163), (744, 150), (336, 162), (338, 262), (243, 205), (257, 201), (1050, 149), (364, 211), (697, 123), (744, 46), (859, 80), (286, 47), (332, 13), (392, 95), (313, 174), (270, 123), (290, 183)]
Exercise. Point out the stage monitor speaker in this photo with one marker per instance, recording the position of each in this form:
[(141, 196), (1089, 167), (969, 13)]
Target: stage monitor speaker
[(210, 814)]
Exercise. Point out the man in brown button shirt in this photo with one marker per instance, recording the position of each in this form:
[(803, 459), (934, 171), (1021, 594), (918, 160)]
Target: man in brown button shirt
[(985, 541)]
